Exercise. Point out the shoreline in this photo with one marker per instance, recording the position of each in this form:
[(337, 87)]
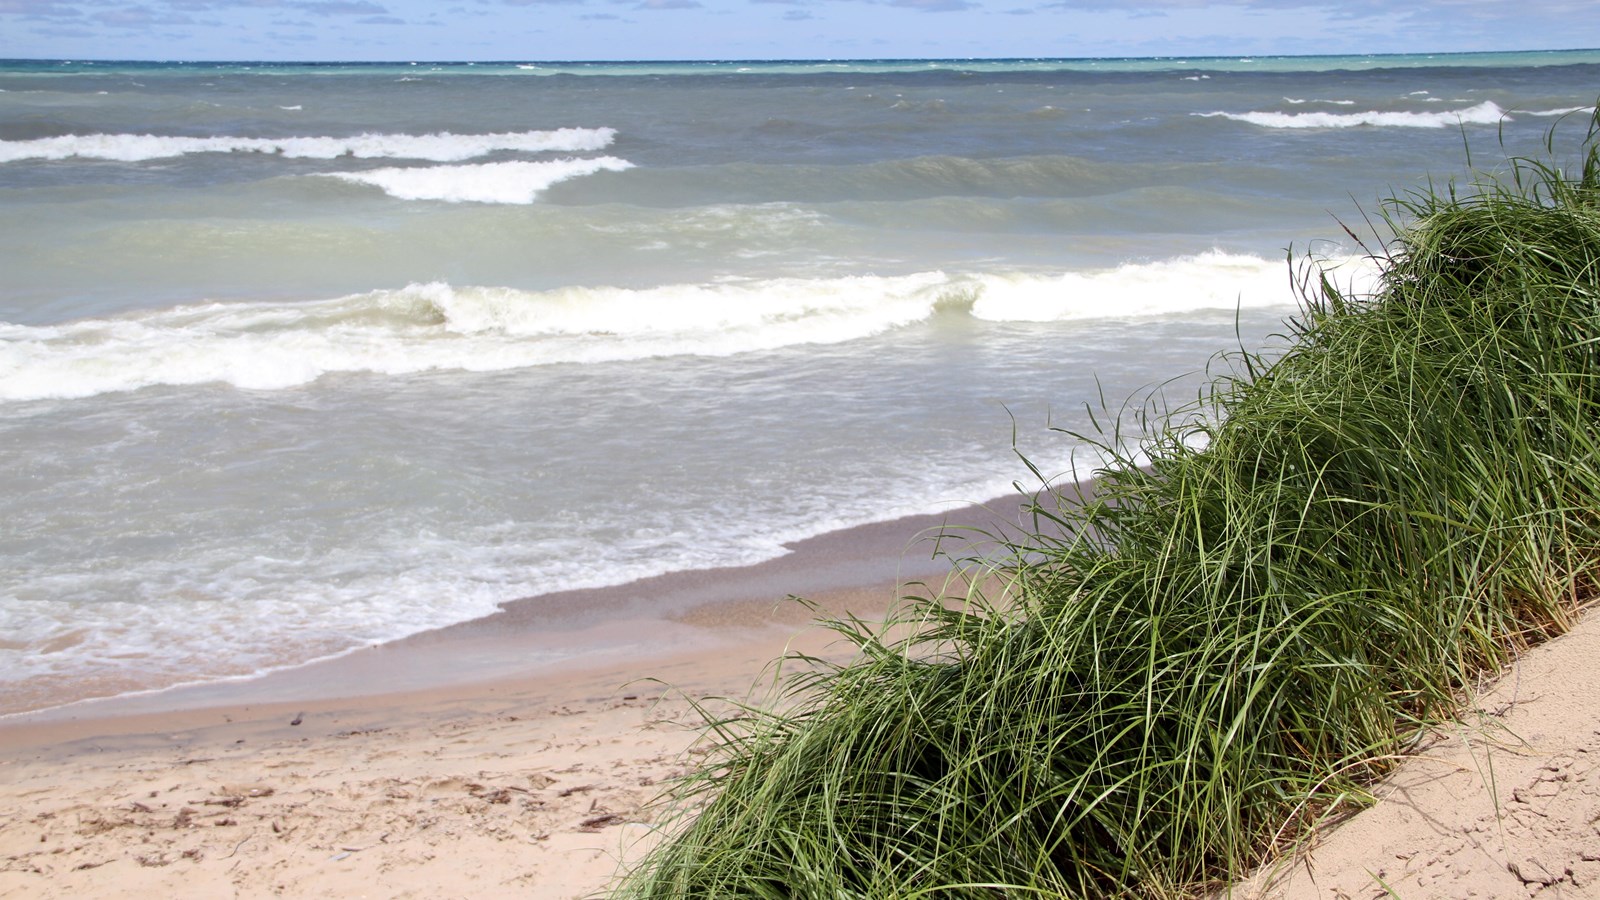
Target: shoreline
[(552, 637), (539, 782), (379, 773), (541, 787)]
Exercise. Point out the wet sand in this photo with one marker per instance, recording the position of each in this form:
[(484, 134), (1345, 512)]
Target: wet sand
[(558, 634)]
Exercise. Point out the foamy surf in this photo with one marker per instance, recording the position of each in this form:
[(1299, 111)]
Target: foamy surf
[(501, 182), (1563, 111), (233, 616), (1213, 280), (1486, 113), (439, 147), (437, 326)]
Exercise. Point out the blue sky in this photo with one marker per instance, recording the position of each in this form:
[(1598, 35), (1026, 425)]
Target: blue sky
[(774, 29)]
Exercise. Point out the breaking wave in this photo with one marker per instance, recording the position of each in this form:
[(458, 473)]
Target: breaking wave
[(1486, 113), (437, 326), (501, 182), (440, 147)]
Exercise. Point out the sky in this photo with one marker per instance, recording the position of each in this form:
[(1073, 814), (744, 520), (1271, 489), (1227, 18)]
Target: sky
[(463, 30)]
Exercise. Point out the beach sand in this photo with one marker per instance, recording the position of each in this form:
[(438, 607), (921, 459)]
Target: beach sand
[(1503, 804), (436, 767)]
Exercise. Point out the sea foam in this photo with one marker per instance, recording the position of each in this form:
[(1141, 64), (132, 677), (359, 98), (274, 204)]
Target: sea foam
[(1213, 280), (439, 147), (1563, 111), (1486, 113), (500, 182), (266, 346), (437, 326)]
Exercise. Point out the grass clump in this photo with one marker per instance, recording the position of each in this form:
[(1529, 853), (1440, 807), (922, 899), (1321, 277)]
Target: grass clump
[(1228, 642)]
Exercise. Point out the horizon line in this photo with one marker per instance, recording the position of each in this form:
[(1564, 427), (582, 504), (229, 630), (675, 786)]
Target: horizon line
[(781, 60)]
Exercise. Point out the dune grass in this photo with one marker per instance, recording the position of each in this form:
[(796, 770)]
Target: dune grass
[(1321, 556)]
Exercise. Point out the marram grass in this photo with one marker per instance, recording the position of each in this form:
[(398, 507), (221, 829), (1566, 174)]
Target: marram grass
[(1227, 643)]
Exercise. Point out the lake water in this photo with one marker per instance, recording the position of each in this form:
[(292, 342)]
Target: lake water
[(299, 358)]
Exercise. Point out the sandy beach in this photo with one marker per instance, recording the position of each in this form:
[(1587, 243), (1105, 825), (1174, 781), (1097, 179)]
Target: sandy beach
[(433, 767), (1505, 803)]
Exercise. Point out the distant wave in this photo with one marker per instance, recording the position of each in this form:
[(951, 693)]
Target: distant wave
[(909, 178), (440, 147), (1566, 111), (421, 327), (501, 182), (1486, 113)]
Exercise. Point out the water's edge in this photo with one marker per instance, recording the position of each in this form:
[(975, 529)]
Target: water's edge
[(636, 623)]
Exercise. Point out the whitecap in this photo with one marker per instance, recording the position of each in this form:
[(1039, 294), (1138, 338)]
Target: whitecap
[(1212, 280), (502, 182), (438, 147), (424, 327), (1565, 111), (438, 326), (1486, 113)]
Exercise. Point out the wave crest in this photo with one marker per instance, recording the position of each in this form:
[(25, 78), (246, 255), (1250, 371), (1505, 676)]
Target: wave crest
[(1485, 113), (502, 182), (439, 147), (437, 326)]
